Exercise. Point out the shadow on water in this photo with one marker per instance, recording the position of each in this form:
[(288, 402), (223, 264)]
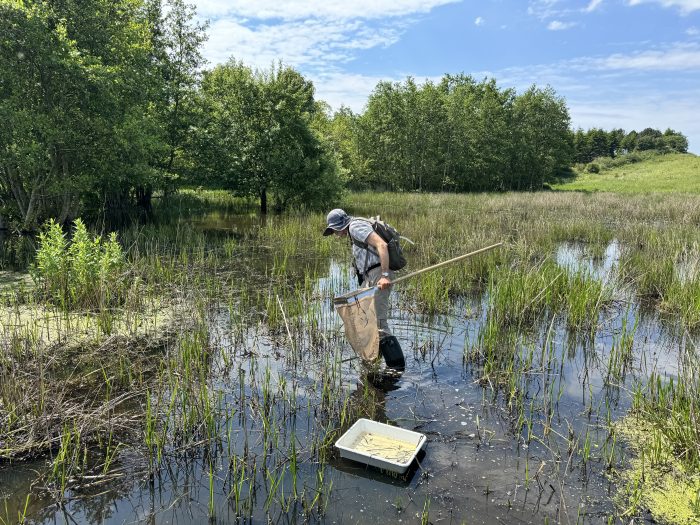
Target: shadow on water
[(224, 224), (538, 448), (376, 475)]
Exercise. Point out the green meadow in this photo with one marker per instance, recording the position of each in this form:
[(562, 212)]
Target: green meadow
[(659, 173)]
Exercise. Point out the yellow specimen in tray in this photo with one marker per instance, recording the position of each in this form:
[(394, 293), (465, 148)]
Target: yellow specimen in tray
[(386, 447)]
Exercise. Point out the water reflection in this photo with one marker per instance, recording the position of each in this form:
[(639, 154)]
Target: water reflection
[(575, 257), (237, 225)]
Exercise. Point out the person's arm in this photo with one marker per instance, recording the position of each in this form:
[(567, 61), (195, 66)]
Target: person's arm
[(376, 242)]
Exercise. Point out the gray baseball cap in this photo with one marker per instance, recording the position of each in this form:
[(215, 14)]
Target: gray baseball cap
[(337, 220)]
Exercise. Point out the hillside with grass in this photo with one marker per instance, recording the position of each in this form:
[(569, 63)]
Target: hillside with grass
[(678, 172)]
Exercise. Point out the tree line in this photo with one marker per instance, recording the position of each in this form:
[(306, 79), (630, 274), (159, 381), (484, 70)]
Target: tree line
[(595, 142), (455, 135), (107, 102), (95, 104)]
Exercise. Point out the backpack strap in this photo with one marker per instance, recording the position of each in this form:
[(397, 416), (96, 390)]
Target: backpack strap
[(365, 246), (360, 244)]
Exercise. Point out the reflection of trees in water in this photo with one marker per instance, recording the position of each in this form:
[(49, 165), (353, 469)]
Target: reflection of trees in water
[(132, 497), (147, 500)]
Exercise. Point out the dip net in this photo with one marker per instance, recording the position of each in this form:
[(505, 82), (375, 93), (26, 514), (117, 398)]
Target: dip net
[(359, 316), (360, 320)]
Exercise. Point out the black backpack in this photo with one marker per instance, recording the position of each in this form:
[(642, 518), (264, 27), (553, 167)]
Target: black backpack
[(397, 260)]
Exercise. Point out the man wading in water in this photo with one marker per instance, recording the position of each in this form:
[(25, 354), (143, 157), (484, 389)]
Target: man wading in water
[(371, 262)]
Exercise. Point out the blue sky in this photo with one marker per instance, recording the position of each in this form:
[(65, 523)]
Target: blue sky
[(618, 63)]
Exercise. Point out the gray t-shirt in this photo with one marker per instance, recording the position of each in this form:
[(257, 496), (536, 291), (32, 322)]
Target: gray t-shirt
[(360, 231)]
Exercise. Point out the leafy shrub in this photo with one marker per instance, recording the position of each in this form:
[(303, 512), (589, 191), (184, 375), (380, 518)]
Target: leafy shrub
[(50, 269), (607, 163), (85, 272)]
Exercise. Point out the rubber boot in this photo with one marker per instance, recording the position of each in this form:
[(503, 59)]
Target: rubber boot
[(391, 351)]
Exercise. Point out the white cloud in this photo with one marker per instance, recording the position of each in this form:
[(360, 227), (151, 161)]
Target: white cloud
[(312, 35), (347, 89), (555, 9), (692, 31), (657, 88), (311, 42), (352, 90), (686, 6), (565, 76), (683, 57), (327, 9), (592, 6), (479, 21), (546, 9), (557, 25)]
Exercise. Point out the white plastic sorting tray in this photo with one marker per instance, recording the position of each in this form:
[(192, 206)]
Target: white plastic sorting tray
[(348, 444)]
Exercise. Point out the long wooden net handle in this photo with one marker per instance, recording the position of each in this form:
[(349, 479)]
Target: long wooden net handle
[(445, 263), (342, 298)]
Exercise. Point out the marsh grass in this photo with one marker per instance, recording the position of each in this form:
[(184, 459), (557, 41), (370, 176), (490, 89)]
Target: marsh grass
[(670, 405), (246, 377)]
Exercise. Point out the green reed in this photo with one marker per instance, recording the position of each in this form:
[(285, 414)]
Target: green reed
[(191, 389)]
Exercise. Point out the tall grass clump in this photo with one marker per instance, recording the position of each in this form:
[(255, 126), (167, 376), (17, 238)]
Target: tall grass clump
[(672, 408), (519, 295), (664, 433), (651, 273), (82, 272), (586, 296)]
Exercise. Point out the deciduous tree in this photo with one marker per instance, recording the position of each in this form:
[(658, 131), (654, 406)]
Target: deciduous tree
[(256, 137), (78, 130)]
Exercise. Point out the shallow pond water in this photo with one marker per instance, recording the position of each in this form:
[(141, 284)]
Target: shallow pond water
[(490, 457), (575, 257)]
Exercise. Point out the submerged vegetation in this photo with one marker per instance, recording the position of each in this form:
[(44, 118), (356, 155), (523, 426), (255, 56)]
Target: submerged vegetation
[(219, 353)]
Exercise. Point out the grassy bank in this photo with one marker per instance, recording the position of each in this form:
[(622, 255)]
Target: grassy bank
[(660, 173)]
